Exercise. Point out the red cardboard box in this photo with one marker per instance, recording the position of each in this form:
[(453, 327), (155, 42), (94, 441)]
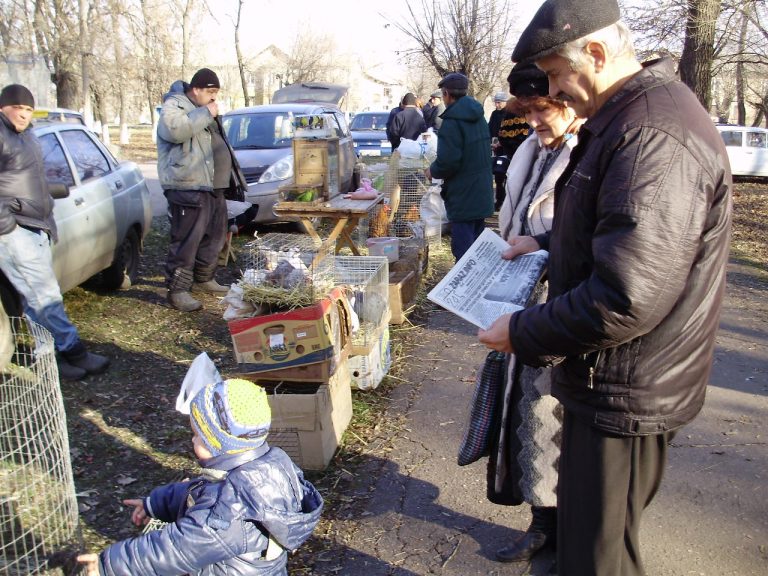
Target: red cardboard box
[(287, 339)]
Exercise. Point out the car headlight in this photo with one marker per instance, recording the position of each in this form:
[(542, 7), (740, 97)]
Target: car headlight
[(280, 170)]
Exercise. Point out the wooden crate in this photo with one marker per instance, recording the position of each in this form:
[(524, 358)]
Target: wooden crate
[(402, 292), (317, 159)]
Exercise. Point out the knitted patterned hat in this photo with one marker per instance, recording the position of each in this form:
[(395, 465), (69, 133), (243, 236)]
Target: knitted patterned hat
[(231, 416)]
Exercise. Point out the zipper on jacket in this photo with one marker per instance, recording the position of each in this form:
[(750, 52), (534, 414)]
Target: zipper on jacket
[(592, 368)]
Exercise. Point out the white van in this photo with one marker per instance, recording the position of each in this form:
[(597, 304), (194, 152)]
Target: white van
[(747, 149)]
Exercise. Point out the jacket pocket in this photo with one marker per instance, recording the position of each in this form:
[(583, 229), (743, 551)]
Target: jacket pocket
[(187, 198)]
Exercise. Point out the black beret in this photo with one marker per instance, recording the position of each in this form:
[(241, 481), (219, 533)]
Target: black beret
[(15, 95), (526, 79), (454, 81), (558, 22), (205, 78)]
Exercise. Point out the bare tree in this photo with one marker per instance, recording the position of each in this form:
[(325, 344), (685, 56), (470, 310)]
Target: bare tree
[(310, 58), (467, 36), (239, 54), (699, 48)]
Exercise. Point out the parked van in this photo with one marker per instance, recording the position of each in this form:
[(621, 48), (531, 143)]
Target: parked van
[(747, 149)]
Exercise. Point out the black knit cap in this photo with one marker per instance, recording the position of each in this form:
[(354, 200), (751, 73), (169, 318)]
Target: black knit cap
[(205, 78), (526, 79), (16, 95), (454, 81), (558, 22)]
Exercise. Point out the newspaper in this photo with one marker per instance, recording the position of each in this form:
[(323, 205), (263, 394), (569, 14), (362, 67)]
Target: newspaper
[(482, 286)]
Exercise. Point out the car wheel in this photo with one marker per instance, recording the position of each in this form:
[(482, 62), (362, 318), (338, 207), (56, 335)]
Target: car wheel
[(124, 269)]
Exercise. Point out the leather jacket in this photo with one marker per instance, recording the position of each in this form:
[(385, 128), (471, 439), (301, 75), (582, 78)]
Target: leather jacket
[(24, 196), (222, 523), (638, 252)]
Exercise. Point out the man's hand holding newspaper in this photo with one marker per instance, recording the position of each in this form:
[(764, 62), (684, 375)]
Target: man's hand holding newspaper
[(490, 282)]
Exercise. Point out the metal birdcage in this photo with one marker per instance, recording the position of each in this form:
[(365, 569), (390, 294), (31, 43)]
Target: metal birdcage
[(38, 506), (405, 189), (289, 264), (367, 279)]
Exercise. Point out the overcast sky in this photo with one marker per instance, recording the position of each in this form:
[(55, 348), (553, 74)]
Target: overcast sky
[(356, 25)]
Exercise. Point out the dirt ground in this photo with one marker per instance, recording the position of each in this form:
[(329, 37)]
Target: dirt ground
[(126, 438)]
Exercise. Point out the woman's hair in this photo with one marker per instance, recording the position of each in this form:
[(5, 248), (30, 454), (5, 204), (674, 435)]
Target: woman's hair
[(616, 37), (519, 106)]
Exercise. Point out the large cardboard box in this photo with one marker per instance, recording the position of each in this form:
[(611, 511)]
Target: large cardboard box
[(288, 339), (308, 420), (317, 159)]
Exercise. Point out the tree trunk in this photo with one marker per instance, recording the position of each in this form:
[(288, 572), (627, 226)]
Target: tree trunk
[(85, 55), (699, 48), (740, 104), (238, 51), (119, 67)]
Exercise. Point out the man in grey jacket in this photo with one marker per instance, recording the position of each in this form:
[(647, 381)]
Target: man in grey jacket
[(638, 250), (196, 167), (27, 228)]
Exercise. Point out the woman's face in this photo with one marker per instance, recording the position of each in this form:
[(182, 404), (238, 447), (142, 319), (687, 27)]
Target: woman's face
[(550, 122)]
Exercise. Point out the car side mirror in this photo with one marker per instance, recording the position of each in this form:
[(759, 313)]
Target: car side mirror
[(58, 190)]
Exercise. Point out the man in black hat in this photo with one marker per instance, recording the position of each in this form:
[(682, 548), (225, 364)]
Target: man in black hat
[(433, 109), (26, 230), (463, 163), (638, 251), (197, 169)]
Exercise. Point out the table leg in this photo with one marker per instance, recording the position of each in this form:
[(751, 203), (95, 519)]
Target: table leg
[(345, 239)]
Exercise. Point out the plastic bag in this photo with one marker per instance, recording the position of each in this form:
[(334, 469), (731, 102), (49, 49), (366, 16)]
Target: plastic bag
[(432, 210), (409, 149), (201, 372)]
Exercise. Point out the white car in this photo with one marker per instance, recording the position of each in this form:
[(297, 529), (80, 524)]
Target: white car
[(104, 217), (747, 149)]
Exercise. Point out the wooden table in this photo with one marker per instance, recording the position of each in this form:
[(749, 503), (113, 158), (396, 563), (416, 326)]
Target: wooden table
[(344, 212)]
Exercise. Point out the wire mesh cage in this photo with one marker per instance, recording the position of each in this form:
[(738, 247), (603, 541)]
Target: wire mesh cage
[(410, 197), (367, 279), (283, 269), (38, 506)]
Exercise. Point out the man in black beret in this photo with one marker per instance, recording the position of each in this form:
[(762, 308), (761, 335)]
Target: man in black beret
[(638, 251), (463, 163), (27, 228), (198, 171)]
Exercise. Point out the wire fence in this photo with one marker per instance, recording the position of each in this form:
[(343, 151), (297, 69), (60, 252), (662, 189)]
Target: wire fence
[(38, 506)]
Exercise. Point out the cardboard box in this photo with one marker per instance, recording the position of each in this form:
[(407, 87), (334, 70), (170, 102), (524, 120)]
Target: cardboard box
[(308, 420), (315, 372), (368, 370), (313, 159), (287, 339), (402, 292)]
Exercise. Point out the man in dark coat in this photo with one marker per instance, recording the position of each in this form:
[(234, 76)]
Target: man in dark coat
[(408, 123), (638, 251), (26, 231), (463, 163)]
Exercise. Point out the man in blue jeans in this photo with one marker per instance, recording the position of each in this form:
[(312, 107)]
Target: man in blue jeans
[(463, 163), (26, 229)]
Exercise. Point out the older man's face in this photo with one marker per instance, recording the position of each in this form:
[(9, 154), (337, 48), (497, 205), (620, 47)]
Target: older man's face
[(575, 87), (20, 115)]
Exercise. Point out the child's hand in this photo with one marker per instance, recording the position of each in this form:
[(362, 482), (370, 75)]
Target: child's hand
[(139, 515), (90, 562)]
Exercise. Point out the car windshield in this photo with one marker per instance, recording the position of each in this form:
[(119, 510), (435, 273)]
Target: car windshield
[(369, 122), (261, 131)]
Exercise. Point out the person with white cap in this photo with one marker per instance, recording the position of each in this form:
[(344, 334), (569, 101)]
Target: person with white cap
[(249, 508), (637, 257), (27, 229)]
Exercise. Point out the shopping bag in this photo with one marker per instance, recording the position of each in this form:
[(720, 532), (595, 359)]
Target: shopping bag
[(484, 409)]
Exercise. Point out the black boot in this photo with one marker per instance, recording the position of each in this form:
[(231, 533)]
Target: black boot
[(69, 372), (542, 532), (79, 357)]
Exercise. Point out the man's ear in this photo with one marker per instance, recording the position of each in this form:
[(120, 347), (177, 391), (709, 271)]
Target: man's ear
[(598, 53)]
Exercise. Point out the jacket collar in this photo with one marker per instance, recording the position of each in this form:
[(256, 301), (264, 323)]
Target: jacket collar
[(654, 73), (227, 462)]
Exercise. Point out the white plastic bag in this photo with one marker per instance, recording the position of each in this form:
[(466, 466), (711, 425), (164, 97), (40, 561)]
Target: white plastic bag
[(432, 211), (201, 372)]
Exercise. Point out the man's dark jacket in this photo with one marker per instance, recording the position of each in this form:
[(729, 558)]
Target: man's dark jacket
[(638, 251), (408, 123), (24, 196), (464, 162)]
